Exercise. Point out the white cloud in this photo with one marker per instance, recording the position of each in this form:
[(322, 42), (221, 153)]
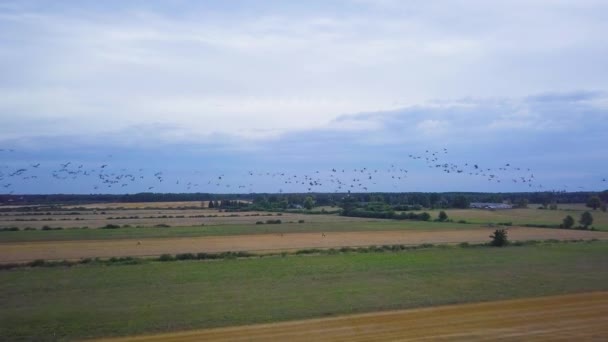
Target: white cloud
[(432, 127), (207, 71)]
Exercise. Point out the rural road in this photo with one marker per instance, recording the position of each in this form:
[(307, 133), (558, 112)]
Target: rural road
[(51, 250), (581, 317)]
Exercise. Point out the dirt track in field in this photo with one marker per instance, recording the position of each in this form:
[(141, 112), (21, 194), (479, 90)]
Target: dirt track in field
[(27, 251), (580, 317)]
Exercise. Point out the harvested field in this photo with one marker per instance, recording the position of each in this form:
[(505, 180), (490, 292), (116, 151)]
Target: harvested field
[(149, 218), (22, 252), (568, 317), (227, 229)]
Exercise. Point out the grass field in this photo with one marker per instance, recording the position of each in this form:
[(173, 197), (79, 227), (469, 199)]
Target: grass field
[(93, 301), (524, 216), (570, 317)]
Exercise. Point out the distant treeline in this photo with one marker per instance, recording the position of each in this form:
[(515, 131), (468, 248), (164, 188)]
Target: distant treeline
[(286, 201)]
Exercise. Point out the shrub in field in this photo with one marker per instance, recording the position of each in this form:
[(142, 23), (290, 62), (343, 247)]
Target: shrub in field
[(185, 256), (300, 221), (568, 222), (424, 216), (9, 229), (166, 257), (51, 228), (594, 202), (111, 226), (308, 251), (442, 216), (586, 219), (162, 225), (259, 222), (203, 256), (273, 222), (499, 238), (36, 263)]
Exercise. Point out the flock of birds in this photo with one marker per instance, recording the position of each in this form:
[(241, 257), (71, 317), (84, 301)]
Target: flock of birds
[(104, 178)]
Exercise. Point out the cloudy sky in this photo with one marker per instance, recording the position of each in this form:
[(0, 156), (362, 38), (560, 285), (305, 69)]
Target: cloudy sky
[(201, 89)]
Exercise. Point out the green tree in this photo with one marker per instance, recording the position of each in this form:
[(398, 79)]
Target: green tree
[(586, 219), (348, 205), (210, 205), (568, 222), (424, 216), (594, 202), (434, 198), (461, 202), (309, 203), (283, 204), (522, 203), (443, 216), (499, 238)]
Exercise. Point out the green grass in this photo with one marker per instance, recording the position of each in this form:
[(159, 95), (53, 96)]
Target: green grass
[(523, 216), (93, 300), (220, 230)]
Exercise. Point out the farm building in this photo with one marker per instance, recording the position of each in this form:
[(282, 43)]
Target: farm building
[(481, 205)]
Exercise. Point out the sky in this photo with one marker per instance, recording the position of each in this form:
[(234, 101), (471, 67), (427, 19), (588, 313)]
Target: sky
[(243, 96)]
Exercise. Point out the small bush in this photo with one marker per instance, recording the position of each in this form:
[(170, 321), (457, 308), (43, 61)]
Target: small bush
[(499, 238), (111, 226), (586, 219), (568, 222), (185, 256), (36, 263), (162, 226), (300, 221), (424, 216), (308, 251), (259, 222), (166, 257)]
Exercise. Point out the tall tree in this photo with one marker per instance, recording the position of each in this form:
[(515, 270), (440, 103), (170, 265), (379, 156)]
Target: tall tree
[(594, 202), (568, 222), (309, 203), (586, 219), (461, 202)]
